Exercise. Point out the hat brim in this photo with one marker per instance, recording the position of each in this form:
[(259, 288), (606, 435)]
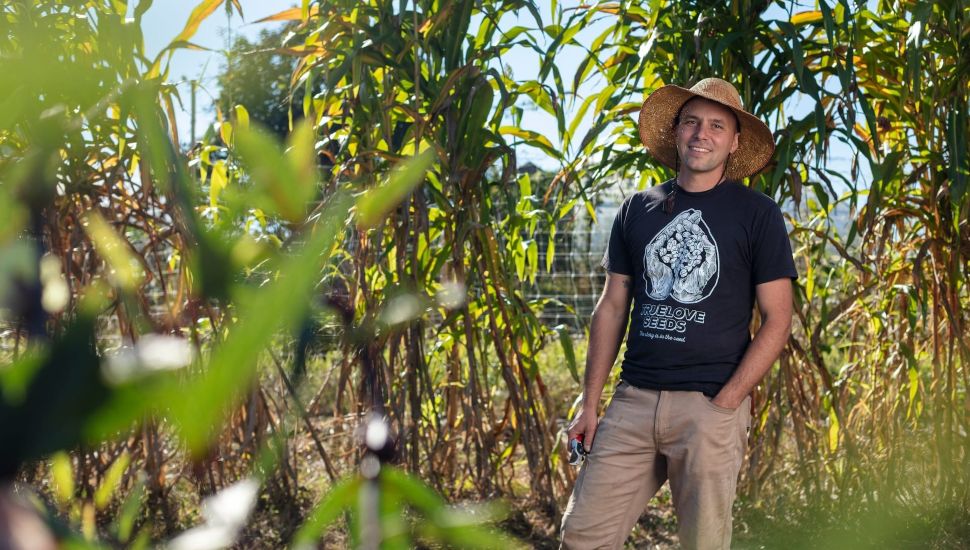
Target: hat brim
[(755, 142)]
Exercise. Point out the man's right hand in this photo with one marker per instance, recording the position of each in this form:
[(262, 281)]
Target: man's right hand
[(584, 424)]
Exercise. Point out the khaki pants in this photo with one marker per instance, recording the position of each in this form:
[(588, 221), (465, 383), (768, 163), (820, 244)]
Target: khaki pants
[(645, 438)]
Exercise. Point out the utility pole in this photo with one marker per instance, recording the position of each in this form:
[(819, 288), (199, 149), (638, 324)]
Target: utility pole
[(195, 86)]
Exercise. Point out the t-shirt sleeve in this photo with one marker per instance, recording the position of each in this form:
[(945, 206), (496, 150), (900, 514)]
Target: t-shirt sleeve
[(772, 250), (617, 257)]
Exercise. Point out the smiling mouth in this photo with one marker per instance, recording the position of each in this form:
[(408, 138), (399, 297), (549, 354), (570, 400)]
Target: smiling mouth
[(698, 149)]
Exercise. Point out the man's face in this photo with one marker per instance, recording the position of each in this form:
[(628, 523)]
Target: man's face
[(706, 135)]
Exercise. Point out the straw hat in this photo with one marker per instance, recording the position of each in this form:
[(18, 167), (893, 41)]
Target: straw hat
[(755, 144)]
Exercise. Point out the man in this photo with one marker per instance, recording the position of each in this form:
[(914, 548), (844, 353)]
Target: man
[(693, 254)]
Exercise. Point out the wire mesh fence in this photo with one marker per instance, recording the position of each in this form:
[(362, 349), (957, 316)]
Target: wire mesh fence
[(574, 280)]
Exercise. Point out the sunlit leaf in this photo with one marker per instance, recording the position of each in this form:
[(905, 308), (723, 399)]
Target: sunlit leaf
[(292, 14), (833, 431), (128, 513), (287, 192), (566, 341), (217, 183), (806, 17), (530, 137), (108, 486), (201, 11), (62, 475), (242, 117)]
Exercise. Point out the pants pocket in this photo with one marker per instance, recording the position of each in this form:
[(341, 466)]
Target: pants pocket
[(717, 408)]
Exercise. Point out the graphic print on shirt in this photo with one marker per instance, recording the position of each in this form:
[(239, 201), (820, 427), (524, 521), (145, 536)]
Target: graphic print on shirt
[(682, 260)]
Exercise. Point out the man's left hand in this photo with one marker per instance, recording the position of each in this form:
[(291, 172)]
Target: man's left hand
[(726, 402)]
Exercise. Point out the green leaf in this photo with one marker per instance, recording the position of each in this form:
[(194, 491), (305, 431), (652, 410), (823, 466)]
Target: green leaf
[(913, 389), (301, 156), (341, 497), (217, 182), (605, 95), (198, 407), (833, 432), (441, 522), (539, 95), (108, 486), (374, 205), (525, 185), (531, 138), (809, 281), (285, 191), (550, 250), (242, 117), (566, 341), (532, 254), (473, 121), (203, 10), (128, 512), (62, 478)]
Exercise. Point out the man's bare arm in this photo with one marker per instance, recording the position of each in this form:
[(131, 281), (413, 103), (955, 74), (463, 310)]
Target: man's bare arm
[(775, 302), (605, 335)]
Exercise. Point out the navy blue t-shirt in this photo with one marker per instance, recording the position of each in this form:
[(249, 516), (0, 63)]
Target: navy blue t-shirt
[(694, 272)]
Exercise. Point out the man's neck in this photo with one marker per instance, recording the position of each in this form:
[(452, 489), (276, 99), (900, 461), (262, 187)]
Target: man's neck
[(698, 183)]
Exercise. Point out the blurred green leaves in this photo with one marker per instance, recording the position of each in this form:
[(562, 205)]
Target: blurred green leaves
[(98, 161), (49, 394), (376, 203), (38, 414), (198, 409), (124, 269), (283, 184), (409, 512)]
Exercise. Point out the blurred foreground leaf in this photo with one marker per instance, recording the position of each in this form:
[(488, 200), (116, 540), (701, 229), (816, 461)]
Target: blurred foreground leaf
[(398, 494), (283, 183), (115, 250), (65, 387), (198, 407), (376, 203)]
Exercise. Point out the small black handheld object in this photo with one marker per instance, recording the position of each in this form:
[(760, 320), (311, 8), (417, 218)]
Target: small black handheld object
[(577, 452)]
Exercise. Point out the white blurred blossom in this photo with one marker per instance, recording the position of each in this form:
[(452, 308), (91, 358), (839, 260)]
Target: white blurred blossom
[(452, 294), (401, 309), (225, 514), (152, 353)]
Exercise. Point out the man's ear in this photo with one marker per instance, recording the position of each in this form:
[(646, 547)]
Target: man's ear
[(734, 146)]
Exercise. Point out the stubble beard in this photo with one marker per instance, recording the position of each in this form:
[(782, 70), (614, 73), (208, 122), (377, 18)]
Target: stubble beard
[(700, 166)]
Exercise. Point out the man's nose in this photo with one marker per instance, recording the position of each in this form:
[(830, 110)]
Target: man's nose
[(701, 130)]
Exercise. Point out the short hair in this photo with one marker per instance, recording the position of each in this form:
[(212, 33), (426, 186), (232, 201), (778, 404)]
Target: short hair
[(737, 121)]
